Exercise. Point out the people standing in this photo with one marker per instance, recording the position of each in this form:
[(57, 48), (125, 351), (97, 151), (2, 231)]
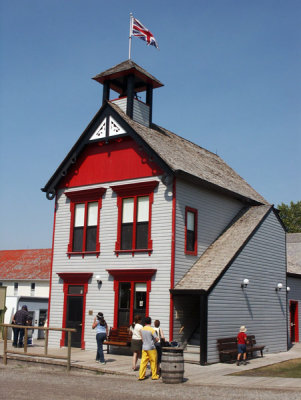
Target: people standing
[(20, 318), (101, 334), (149, 352), (242, 345), (136, 342), (158, 344)]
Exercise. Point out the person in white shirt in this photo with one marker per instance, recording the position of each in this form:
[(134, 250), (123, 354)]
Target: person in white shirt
[(136, 343)]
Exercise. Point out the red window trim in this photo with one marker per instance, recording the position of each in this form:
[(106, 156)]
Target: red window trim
[(80, 279), (79, 197), (134, 190), (133, 276), (195, 212)]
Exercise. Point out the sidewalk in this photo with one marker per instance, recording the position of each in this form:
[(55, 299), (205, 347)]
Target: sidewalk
[(212, 375)]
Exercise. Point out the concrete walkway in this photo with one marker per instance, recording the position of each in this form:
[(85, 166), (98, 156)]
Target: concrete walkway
[(212, 375)]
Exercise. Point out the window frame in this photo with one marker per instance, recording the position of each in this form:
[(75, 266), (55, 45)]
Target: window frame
[(195, 212), (84, 197), (134, 191)]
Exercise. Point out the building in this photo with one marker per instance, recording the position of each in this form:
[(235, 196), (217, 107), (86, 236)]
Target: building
[(26, 275), (148, 222), (293, 241)]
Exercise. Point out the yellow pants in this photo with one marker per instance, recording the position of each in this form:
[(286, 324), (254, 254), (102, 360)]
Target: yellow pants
[(148, 356)]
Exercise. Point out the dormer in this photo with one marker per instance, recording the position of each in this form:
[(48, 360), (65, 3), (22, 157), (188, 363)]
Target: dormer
[(128, 79)]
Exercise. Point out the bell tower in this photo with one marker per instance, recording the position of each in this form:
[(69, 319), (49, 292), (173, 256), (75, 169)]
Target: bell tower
[(128, 79)]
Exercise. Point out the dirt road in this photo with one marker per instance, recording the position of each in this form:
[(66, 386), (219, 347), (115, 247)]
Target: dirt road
[(21, 382)]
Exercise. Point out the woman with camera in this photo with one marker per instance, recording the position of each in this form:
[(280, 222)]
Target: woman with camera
[(101, 334)]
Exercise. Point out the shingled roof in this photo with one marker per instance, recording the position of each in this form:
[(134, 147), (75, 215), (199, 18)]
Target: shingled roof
[(181, 155), (34, 264), (293, 246), (223, 251)]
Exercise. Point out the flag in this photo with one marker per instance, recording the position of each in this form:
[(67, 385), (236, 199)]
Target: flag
[(143, 33)]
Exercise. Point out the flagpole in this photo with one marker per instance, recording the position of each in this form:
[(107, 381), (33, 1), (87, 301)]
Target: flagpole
[(130, 37)]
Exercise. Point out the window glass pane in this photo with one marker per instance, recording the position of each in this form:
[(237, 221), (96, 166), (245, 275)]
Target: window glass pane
[(140, 287), (92, 213), (76, 289), (126, 236), (142, 235), (143, 209), (79, 218), (78, 239), (33, 286), (91, 238), (127, 210), (190, 221), (190, 241)]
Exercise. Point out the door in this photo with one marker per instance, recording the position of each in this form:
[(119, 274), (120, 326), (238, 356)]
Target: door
[(140, 300), (294, 328), (74, 316), (124, 304)]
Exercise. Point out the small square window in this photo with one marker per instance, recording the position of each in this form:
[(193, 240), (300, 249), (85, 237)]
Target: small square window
[(33, 286)]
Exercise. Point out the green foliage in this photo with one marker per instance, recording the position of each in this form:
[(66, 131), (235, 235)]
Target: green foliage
[(291, 216)]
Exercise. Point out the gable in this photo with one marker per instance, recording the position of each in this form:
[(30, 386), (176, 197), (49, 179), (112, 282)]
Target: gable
[(119, 159)]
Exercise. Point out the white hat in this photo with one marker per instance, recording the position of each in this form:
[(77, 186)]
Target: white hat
[(242, 329)]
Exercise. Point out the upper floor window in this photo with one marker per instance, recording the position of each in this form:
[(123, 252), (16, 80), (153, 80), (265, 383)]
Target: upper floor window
[(85, 208), (32, 288), (16, 287), (191, 218), (134, 217)]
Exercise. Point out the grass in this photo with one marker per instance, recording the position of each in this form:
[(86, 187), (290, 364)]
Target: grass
[(285, 369)]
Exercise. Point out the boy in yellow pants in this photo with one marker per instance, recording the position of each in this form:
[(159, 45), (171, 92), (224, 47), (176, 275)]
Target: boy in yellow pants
[(149, 352)]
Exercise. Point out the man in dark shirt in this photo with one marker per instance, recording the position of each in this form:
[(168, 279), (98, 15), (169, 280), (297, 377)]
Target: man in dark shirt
[(20, 318)]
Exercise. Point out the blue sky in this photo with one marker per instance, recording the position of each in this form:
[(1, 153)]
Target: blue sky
[(231, 71)]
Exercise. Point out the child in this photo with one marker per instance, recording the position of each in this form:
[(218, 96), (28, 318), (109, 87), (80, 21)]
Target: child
[(242, 345)]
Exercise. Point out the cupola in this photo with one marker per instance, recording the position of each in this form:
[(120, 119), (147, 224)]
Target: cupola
[(128, 79)]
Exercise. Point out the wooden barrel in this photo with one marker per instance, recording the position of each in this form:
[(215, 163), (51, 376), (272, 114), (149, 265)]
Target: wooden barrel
[(172, 365)]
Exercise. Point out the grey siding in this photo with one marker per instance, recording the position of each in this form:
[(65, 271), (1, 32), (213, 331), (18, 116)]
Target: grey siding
[(295, 294), (259, 306), (102, 299), (215, 212), (140, 110)]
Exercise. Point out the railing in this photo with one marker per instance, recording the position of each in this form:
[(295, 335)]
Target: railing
[(45, 355)]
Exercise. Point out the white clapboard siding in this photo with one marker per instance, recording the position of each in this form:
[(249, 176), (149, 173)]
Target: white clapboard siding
[(102, 299), (215, 212), (259, 306)]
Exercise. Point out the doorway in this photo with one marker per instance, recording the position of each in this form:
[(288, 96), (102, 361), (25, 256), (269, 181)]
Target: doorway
[(132, 300), (294, 321), (74, 315)]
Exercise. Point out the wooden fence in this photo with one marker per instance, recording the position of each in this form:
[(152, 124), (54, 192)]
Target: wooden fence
[(45, 355)]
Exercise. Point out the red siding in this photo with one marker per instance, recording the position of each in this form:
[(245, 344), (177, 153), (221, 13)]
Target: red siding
[(116, 161)]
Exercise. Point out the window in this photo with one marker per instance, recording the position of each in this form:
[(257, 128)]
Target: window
[(134, 217), (191, 218), (16, 286), (1, 283), (32, 288), (85, 208)]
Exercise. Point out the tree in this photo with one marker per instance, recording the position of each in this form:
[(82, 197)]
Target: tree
[(291, 216)]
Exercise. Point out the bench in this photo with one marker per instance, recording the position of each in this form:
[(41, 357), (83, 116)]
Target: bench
[(227, 347), (120, 337)]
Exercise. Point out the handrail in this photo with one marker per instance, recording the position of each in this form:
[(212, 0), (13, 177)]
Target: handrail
[(46, 355)]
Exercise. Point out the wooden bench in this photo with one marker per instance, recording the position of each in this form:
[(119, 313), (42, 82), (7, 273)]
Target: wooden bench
[(120, 337), (227, 347)]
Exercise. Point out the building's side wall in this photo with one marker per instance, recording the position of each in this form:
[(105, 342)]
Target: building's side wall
[(295, 294), (215, 212), (259, 306), (24, 288), (102, 299)]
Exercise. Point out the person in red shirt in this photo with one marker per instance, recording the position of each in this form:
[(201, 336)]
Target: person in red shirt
[(242, 345)]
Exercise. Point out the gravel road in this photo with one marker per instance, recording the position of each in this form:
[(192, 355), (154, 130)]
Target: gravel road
[(33, 383)]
